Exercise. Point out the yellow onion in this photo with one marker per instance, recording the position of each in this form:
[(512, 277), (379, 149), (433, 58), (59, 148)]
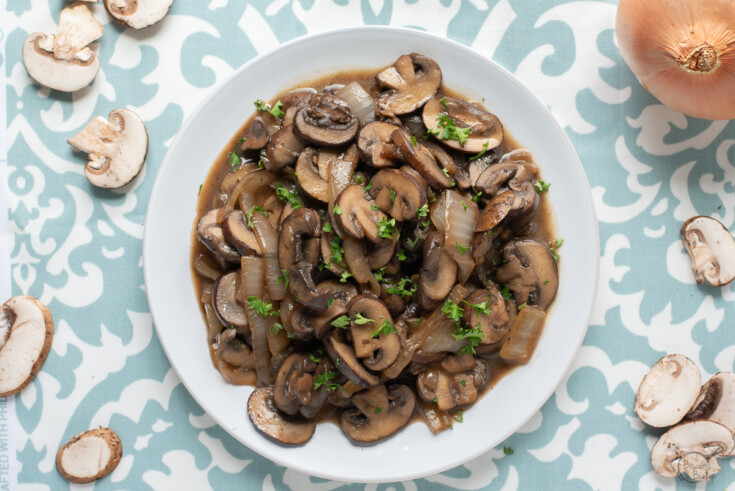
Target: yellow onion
[(683, 52)]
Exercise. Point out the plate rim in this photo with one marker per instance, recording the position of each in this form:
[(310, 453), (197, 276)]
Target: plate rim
[(452, 44)]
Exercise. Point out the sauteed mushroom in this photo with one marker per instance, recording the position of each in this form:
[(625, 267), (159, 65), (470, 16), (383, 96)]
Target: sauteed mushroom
[(530, 272), (378, 412), (411, 81), (486, 131), (326, 121)]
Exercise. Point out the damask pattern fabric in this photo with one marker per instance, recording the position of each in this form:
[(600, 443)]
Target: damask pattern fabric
[(78, 248)]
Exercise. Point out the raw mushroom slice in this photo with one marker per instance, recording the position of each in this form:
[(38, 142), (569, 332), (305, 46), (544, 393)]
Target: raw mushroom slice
[(668, 391), (530, 272), (486, 131), (272, 422), (89, 456), (378, 412), (138, 14), (63, 62), (326, 121), (117, 148), (26, 333), (412, 80), (711, 248), (716, 401), (692, 449)]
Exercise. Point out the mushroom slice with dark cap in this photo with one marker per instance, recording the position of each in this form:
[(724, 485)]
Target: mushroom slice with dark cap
[(257, 136), (294, 388), (486, 131), (282, 150), (412, 80), (450, 390), (268, 419), (234, 350), (716, 401), (63, 61), (397, 193), (421, 159), (508, 205), (530, 272), (306, 324), (297, 97), (692, 449), (226, 295), (711, 248), (373, 333), (307, 172), (377, 147), (326, 121), (378, 412), (668, 391), (117, 148), (210, 233), (239, 235), (438, 272), (497, 177), (358, 215), (382, 253), (485, 309), (298, 253), (344, 358), (138, 14)]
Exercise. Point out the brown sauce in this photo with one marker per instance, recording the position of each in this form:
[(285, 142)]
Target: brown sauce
[(209, 199)]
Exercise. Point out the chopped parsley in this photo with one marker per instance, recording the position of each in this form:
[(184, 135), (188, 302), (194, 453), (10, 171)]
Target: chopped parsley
[(262, 106), (482, 307), (443, 100), (422, 212), (463, 383), (249, 214), (413, 141), (452, 310), (290, 335), (276, 111), (285, 278), (541, 186), (378, 410), (412, 243), (344, 277), (558, 242), (446, 172), (508, 451), (505, 292), (474, 336), (386, 329), (476, 197), (337, 210), (554, 254), (337, 250), (343, 322), (449, 130), (330, 302), (386, 228), (392, 196), (277, 326), (316, 357), (323, 380), (374, 207), (327, 227), (361, 320), (380, 274), (359, 179), (368, 187), (200, 189), (404, 288), (401, 255), (235, 161), (425, 223), (464, 205), (289, 196), (520, 307), (482, 152), (462, 249), (458, 416), (261, 308)]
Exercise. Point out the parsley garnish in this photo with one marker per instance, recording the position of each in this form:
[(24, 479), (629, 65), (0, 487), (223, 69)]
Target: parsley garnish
[(286, 195), (285, 278), (481, 307), (290, 335), (344, 277), (316, 357), (558, 242), (452, 310), (458, 416), (386, 228), (249, 214), (343, 322), (463, 383), (392, 196), (423, 211), (446, 172), (235, 161), (474, 336), (337, 250), (327, 227), (443, 100), (359, 179), (554, 254), (505, 292), (412, 243), (450, 130), (361, 320), (277, 326), (262, 106), (404, 288), (413, 141), (482, 152), (476, 197), (386, 329), (520, 307), (368, 187), (374, 207), (276, 111), (508, 451), (378, 410), (330, 302), (200, 189), (464, 205), (379, 274), (541, 186), (260, 307), (323, 379), (462, 249), (337, 210), (401, 255)]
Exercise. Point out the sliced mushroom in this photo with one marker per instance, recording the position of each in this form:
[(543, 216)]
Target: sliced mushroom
[(421, 159), (282, 150), (298, 253), (486, 131), (234, 350), (326, 121), (716, 401), (226, 300), (359, 215), (306, 324), (412, 80), (376, 145), (450, 390), (294, 390), (497, 177), (307, 172), (530, 272), (524, 335), (272, 422), (378, 412), (210, 233), (344, 358), (397, 193), (711, 248), (26, 333), (375, 352), (63, 62), (692, 449), (494, 324), (89, 456), (297, 97), (438, 272), (668, 391), (382, 253), (257, 136), (508, 205), (137, 14), (117, 148), (239, 236)]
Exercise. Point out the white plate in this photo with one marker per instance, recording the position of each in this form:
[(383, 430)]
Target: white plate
[(413, 452)]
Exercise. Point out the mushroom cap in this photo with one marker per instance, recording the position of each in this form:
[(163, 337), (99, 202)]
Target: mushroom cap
[(117, 148), (716, 401), (495, 324), (233, 350), (376, 353), (379, 412), (398, 193), (530, 272), (307, 173), (360, 216), (138, 14), (487, 130), (239, 236), (413, 79), (62, 75), (376, 146), (226, 300), (257, 136), (326, 121), (89, 456), (692, 449), (272, 422), (26, 333), (668, 391), (421, 159), (282, 150), (210, 233), (508, 205), (711, 248), (438, 272)]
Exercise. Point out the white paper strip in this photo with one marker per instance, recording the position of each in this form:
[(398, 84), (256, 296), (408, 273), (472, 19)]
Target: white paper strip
[(8, 421)]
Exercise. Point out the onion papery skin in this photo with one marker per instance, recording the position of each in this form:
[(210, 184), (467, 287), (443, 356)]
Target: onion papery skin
[(663, 41)]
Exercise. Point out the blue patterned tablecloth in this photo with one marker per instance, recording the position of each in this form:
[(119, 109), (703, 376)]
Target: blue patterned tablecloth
[(78, 248)]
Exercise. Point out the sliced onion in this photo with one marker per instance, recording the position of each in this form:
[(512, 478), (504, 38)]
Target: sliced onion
[(524, 335), (214, 326), (236, 375), (360, 102), (246, 169), (460, 217), (277, 339), (251, 184), (357, 264), (253, 273), (436, 419), (441, 340), (268, 241), (437, 211), (204, 267), (341, 170), (206, 292)]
